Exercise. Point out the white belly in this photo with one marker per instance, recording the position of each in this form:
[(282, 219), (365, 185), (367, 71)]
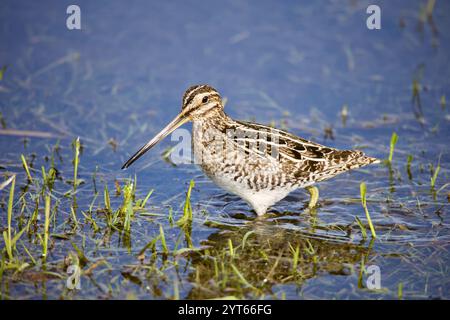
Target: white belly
[(260, 200)]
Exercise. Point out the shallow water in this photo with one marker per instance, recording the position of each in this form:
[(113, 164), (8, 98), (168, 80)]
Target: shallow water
[(120, 79)]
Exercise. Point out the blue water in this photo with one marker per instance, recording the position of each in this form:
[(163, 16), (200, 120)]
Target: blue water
[(295, 64)]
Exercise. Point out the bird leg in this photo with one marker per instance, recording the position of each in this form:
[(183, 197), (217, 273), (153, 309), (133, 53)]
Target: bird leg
[(314, 193)]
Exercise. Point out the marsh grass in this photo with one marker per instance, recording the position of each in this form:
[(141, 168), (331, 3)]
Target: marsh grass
[(408, 166), (48, 178), (7, 234), (231, 249), (76, 160), (74, 217), (435, 174), (400, 291), (185, 222), (394, 140), (187, 209), (363, 188), (245, 238), (27, 170), (46, 227), (166, 155), (362, 227), (443, 102), (162, 237), (295, 257)]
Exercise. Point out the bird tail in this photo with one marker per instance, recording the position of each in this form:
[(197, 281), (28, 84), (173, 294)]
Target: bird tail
[(346, 160), (358, 159), (365, 160)]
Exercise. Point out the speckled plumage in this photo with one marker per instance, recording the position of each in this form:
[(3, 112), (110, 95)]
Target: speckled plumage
[(260, 164)]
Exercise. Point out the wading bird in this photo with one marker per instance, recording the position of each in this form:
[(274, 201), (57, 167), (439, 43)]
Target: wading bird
[(260, 164)]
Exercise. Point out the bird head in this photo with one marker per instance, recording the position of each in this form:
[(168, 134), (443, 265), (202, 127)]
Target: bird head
[(199, 101)]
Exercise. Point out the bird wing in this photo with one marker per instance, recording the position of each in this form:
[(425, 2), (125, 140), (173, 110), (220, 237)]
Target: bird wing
[(301, 160), (280, 142)]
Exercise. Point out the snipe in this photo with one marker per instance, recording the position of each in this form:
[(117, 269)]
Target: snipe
[(256, 162)]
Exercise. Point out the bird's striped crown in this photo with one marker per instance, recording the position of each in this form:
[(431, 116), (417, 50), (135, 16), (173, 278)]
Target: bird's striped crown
[(198, 94)]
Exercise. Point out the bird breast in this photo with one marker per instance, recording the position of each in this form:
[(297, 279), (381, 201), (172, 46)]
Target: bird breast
[(229, 164)]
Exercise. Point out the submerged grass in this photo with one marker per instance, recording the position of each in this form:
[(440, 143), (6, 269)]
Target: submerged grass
[(408, 166), (362, 227), (143, 203), (163, 240), (400, 291), (126, 210)]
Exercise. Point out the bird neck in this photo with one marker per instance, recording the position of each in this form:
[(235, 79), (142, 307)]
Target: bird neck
[(216, 118)]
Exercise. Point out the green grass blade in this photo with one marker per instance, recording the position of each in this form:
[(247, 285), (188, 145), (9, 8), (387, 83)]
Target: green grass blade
[(435, 175), (46, 226), (76, 161), (163, 240), (144, 202), (362, 188), (25, 166), (394, 139)]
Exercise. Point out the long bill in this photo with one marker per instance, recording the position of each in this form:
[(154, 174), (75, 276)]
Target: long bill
[(175, 123)]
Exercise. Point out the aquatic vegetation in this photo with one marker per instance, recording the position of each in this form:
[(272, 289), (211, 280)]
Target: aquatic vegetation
[(231, 248), (46, 227), (394, 140), (121, 218), (76, 160), (295, 257), (107, 199), (363, 188), (2, 72), (187, 210), (408, 166), (362, 227), (435, 174), (400, 291), (162, 237), (166, 155), (27, 170), (7, 234), (144, 202)]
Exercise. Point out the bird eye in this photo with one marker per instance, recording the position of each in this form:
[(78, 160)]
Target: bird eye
[(205, 99)]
